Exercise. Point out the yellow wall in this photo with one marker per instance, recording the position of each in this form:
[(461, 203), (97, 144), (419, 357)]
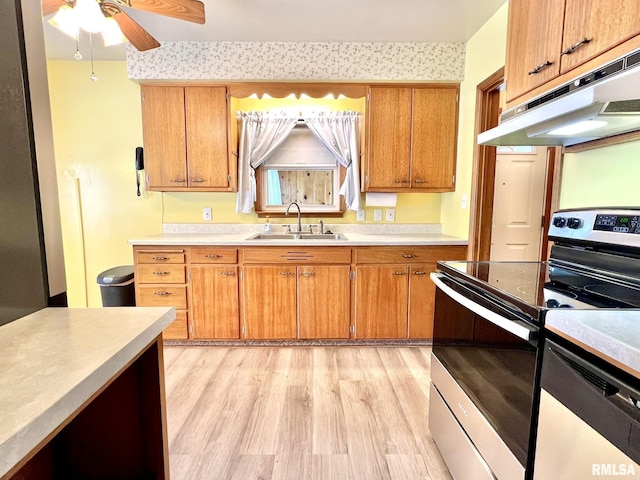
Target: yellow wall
[(485, 54), (605, 177), (96, 128)]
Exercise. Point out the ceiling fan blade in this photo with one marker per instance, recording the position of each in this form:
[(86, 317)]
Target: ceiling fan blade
[(51, 6), (138, 36), (189, 10)]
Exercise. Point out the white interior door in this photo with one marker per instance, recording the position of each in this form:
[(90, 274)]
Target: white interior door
[(518, 204)]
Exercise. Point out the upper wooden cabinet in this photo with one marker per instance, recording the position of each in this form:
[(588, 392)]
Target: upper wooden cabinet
[(546, 38), (186, 139), (411, 138)]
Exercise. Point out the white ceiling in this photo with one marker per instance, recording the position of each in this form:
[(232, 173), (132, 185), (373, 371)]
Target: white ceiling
[(301, 21)]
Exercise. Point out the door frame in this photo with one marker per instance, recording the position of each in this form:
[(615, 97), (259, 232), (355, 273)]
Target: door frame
[(484, 172)]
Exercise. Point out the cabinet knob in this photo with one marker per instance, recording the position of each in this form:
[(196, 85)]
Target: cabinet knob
[(575, 46), (178, 180), (540, 67)]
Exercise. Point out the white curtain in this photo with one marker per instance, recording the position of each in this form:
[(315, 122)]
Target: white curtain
[(260, 135), (339, 132)]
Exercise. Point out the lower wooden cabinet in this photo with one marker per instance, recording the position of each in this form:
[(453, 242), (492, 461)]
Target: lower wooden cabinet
[(324, 301), (214, 301), (422, 293), (269, 302), (381, 301)]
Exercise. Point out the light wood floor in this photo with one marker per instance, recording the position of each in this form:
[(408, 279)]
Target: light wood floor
[(300, 413)]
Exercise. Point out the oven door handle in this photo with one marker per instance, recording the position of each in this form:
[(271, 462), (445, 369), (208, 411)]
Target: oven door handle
[(518, 328)]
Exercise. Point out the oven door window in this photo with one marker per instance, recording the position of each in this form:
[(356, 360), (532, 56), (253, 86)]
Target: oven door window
[(495, 368)]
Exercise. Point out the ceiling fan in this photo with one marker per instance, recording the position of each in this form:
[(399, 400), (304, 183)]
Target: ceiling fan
[(189, 10)]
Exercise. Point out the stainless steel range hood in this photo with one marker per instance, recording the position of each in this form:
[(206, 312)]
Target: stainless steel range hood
[(609, 96)]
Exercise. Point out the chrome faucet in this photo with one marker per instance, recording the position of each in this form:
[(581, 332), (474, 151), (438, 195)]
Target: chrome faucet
[(298, 207)]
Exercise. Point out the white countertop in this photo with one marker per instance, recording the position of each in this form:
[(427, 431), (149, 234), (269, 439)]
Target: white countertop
[(614, 338), (54, 360), (353, 239)]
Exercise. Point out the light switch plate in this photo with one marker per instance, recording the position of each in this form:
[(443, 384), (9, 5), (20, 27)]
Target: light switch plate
[(206, 214), (377, 215), (361, 215), (390, 214)]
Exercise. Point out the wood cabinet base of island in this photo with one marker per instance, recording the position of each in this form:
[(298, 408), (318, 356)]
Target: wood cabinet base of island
[(118, 434)]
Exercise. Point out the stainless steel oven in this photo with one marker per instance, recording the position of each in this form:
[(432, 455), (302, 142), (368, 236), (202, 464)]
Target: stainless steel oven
[(489, 334)]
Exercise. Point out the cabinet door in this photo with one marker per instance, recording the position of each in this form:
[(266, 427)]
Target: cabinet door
[(381, 301), (206, 125), (324, 301), (433, 138), (534, 37), (389, 139), (606, 23), (163, 128), (269, 302), (421, 299), (214, 301)]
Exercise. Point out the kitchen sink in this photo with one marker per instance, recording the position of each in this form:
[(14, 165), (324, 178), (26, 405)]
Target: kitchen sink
[(298, 236)]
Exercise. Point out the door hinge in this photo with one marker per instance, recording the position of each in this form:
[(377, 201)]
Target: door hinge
[(147, 176), (457, 96), (241, 274), (189, 276), (227, 96), (228, 178), (352, 275), (244, 330), (191, 329), (453, 179), (352, 329)]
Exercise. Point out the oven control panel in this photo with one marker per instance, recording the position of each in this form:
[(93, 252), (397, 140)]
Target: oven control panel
[(601, 225), (618, 223)]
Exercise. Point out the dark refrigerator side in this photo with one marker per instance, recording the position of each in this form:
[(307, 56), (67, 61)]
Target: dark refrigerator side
[(23, 276)]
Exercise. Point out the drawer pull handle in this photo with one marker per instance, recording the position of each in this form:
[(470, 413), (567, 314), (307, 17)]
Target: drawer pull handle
[(161, 258), (419, 273), (572, 48), (162, 273), (227, 273), (197, 180), (401, 181), (213, 256), (417, 180), (409, 255), (399, 273), (162, 293), (307, 274), (178, 180), (540, 67), (287, 273)]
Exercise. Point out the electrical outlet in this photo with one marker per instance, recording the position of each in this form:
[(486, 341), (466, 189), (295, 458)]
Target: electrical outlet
[(390, 214), (361, 215), (206, 213), (377, 215)]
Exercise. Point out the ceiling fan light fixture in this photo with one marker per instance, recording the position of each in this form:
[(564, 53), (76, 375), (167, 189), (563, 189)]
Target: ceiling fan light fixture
[(91, 18), (111, 33), (66, 20)]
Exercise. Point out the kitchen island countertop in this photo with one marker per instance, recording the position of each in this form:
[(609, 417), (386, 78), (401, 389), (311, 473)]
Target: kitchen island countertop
[(55, 360), (613, 339)]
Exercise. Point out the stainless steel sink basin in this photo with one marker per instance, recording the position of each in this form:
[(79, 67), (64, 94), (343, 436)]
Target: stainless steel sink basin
[(298, 236)]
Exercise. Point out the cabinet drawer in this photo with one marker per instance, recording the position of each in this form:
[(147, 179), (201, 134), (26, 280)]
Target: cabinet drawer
[(213, 255), (162, 296), (169, 273), (178, 329), (160, 256), (297, 255), (417, 254)]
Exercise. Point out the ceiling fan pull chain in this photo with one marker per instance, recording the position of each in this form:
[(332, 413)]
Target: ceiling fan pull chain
[(78, 55), (93, 75)]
